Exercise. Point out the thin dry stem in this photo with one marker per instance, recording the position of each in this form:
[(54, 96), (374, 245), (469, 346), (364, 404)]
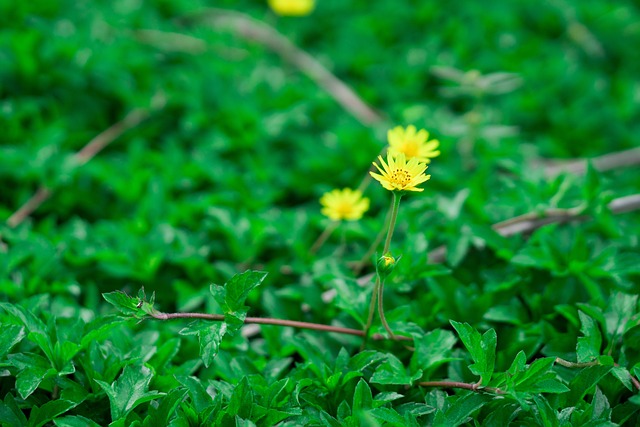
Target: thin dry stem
[(457, 384), (532, 221), (256, 31), (93, 147), (272, 321)]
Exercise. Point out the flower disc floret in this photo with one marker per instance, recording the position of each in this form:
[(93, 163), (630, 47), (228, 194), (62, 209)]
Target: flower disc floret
[(344, 204), (412, 143), (400, 174)]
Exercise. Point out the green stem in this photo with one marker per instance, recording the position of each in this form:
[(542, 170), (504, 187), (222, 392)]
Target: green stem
[(379, 286), (392, 222), (372, 249), (372, 309), (330, 228)]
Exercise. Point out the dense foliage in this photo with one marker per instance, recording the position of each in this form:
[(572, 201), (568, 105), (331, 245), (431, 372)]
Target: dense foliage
[(213, 189)]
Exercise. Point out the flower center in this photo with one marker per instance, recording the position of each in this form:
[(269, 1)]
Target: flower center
[(401, 177), (410, 149)]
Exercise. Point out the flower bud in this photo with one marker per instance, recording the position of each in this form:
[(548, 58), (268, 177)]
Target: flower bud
[(386, 264)]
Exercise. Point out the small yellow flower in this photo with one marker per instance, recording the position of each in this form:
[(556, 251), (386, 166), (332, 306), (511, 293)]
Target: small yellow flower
[(292, 7), (344, 204), (400, 174), (412, 143)]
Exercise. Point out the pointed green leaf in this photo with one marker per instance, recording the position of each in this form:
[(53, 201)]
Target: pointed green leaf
[(233, 294), (75, 421), (10, 335), (127, 305), (241, 402), (362, 397), (392, 371), (209, 337), (432, 349), (129, 390), (482, 349), (10, 413), (47, 412), (588, 347)]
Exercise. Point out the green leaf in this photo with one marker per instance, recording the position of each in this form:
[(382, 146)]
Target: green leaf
[(588, 347), (10, 413), (75, 421), (32, 370), (392, 371), (165, 411), (200, 399), (209, 337), (584, 382), (461, 410), (539, 378), (432, 349), (241, 402), (127, 305), (232, 296), (362, 397), (545, 414), (482, 349), (129, 390), (10, 335), (47, 412)]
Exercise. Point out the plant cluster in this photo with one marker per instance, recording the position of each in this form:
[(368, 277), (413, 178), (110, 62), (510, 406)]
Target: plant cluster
[(193, 232)]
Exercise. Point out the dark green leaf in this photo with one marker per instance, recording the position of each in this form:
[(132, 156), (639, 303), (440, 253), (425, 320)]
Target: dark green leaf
[(482, 349), (129, 391)]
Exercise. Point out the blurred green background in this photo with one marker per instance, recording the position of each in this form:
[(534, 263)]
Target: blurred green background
[(225, 172)]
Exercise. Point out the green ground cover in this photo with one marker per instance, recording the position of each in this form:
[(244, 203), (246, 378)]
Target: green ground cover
[(226, 123)]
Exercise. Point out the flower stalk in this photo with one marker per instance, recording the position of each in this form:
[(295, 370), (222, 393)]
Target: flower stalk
[(378, 287)]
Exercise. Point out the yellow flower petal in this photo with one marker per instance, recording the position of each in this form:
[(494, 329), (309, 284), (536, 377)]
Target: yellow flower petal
[(398, 174), (292, 7), (344, 204), (412, 143)]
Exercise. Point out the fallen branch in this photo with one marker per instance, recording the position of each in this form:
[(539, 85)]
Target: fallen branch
[(611, 161), (93, 147), (531, 221), (256, 31)]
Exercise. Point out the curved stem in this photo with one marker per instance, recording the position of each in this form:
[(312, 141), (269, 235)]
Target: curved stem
[(383, 319), (372, 309)]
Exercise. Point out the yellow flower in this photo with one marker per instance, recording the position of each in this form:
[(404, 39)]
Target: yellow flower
[(412, 143), (344, 204), (292, 7), (400, 174)]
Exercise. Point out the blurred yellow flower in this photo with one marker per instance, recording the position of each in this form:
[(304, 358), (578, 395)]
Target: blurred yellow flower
[(398, 174), (412, 143), (292, 7), (344, 204)]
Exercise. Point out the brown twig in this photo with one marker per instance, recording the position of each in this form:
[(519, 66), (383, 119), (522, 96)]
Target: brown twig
[(603, 163), (568, 364), (531, 221), (93, 147), (457, 384), (253, 30), (277, 322)]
